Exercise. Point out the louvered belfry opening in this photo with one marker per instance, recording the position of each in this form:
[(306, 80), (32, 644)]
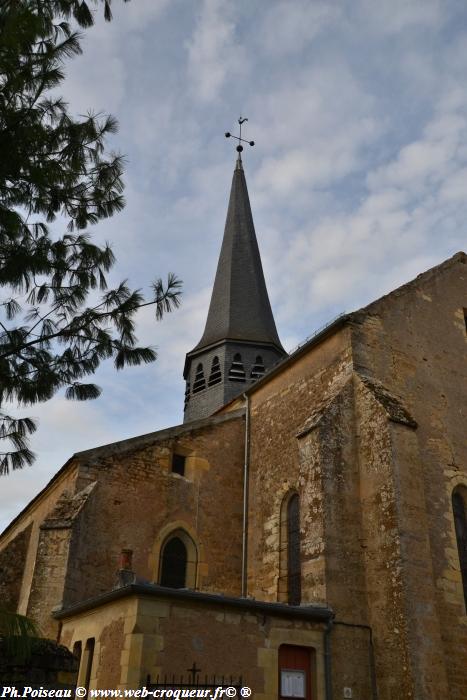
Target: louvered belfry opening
[(237, 370), (258, 368), (216, 374), (200, 382)]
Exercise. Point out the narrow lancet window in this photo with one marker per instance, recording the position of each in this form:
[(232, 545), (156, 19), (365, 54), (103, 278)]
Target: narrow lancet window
[(174, 563), (294, 573), (216, 375), (237, 371), (459, 498), (200, 383)]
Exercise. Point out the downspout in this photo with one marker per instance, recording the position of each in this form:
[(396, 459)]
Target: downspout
[(246, 470)]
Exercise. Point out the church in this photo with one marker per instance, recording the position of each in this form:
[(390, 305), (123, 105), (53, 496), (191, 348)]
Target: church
[(303, 531)]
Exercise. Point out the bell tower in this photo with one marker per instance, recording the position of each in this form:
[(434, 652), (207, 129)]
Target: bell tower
[(240, 341)]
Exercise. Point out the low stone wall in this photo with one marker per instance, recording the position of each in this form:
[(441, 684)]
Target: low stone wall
[(50, 666)]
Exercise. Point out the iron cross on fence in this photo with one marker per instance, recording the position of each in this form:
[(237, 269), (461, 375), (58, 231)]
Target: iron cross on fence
[(194, 672), (239, 138)]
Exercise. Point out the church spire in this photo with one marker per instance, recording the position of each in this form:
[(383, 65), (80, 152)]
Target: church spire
[(240, 335), (240, 308)]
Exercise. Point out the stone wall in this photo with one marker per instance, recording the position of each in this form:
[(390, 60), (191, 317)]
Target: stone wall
[(303, 440), (12, 561), (137, 636), (415, 342), (50, 666), (368, 426), (32, 518), (280, 462), (126, 496), (138, 501)]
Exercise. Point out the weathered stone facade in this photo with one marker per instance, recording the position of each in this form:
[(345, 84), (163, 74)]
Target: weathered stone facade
[(366, 423), (126, 496), (144, 632)]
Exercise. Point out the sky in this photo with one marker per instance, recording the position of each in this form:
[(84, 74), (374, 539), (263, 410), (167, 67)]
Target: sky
[(357, 181)]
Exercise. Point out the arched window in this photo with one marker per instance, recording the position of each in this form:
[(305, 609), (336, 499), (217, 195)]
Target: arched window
[(178, 561), (258, 368), (216, 375), (459, 509), (173, 567), (290, 574), (237, 371), (200, 383), (294, 573)]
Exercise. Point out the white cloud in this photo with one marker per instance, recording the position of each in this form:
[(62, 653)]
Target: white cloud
[(394, 16), (318, 127), (393, 232), (288, 27), (214, 54), (358, 180)]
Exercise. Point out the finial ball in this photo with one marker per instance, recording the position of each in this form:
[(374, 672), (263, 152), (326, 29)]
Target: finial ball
[(227, 134), (239, 149)]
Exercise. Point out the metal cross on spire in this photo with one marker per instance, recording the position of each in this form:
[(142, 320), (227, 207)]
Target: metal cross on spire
[(239, 137)]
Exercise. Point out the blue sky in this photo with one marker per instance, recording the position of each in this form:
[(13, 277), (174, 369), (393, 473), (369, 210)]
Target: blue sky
[(358, 179)]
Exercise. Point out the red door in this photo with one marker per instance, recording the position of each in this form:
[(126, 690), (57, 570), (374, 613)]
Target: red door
[(294, 672)]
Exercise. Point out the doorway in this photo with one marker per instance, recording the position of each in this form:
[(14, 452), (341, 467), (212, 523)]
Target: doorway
[(295, 672)]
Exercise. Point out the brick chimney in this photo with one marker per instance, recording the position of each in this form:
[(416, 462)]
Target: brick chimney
[(125, 573)]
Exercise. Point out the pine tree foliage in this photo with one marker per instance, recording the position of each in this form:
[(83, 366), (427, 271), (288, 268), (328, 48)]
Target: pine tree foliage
[(58, 319), (18, 633)]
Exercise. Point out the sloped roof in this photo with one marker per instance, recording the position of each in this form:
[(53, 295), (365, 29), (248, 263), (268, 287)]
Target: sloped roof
[(240, 307)]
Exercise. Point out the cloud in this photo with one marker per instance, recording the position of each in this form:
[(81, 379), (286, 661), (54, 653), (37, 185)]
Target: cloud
[(214, 53), (395, 16), (288, 27), (317, 132), (357, 180), (393, 232)]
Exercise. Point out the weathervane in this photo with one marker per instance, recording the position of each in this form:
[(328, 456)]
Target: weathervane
[(239, 138)]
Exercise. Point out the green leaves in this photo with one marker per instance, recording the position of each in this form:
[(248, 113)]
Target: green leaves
[(19, 633), (55, 330), (15, 431)]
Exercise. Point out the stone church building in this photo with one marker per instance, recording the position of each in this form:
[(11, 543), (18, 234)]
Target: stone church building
[(304, 528)]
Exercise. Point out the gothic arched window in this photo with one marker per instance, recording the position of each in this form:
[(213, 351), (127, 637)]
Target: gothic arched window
[(459, 509), (200, 383), (216, 375), (290, 574), (294, 573), (173, 564), (237, 371)]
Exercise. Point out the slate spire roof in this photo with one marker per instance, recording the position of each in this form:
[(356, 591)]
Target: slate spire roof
[(240, 307)]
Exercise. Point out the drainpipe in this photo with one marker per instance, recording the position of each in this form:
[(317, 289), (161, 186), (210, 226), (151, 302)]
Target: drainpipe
[(246, 469), (327, 659)]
